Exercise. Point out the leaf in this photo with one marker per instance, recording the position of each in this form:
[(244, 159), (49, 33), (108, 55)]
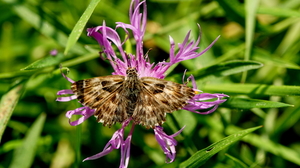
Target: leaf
[(265, 57), (250, 17), (200, 157), (234, 10), (182, 119), (270, 146), (254, 89), (42, 25), (225, 69), (78, 28), (13, 74), (24, 155), (281, 12), (7, 105), (45, 62), (287, 120), (219, 70), (238, 163), (243, 103), (250, 9), (71, 62), (81, 59)]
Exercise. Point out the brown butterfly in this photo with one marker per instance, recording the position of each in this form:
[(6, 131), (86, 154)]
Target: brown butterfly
[(116, 98)]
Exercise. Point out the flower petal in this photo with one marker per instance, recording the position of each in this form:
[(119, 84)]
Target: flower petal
[(116, 142), (65, 99), (65, 91), (86, 113), (187, 50), (197, 103), (167, 142), (125, 149)]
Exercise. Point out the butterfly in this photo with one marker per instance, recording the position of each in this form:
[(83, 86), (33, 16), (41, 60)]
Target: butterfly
[(146, 100)]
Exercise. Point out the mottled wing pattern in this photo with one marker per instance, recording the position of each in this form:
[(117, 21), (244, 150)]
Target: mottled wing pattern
[(104, 94), (157, 98)]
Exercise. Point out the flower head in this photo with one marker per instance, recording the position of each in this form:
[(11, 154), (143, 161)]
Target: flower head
[(53, 52), (107, 37)]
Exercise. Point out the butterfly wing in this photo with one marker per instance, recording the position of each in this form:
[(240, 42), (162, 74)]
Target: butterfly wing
[(158, 97), (104, 94)]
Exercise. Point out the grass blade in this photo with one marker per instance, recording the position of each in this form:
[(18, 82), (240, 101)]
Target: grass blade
[(203, 155), (24, 155), (238, 163), (221, 69), (77, 30), (254, 89), (243, 103), (225, 69), (270, 146), (42, 25), (45, 62), (251, 7), (281, 12), (7, 105)]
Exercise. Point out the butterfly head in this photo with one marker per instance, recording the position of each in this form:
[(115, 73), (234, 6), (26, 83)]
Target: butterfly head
[(131, 72)]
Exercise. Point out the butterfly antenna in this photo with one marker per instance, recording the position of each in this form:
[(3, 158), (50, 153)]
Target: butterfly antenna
[(147, 56), (128, 60), (102, 57), (187, 81)]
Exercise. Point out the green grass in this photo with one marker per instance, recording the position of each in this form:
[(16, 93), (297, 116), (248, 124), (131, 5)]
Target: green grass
[(255, 62)]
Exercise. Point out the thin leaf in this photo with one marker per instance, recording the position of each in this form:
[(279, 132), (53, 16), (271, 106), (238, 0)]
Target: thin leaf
[(219, 70), (203, 155), (45, 62), (42, 25), (24, 155), (287, 120), (251, 7), (182, 118), (72, 62), (264, 57), (254, 89), (238, 163), (243, 103), (78, 28), (234, 10), (230, 54), (290, 40), (225, 69), (270, 146), (13, 74), (7, 105), (81, 59), (281, 12)]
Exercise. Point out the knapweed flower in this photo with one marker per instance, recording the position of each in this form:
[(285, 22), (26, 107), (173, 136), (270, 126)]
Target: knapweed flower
[(106, 37), (53, 52)]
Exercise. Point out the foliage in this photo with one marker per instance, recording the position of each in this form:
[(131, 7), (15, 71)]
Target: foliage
[(255, 62)]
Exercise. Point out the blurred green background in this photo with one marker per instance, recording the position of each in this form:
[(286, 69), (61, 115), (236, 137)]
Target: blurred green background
[(265, 31)]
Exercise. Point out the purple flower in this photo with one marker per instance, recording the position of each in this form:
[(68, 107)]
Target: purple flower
[(107, 37), (53, 52)]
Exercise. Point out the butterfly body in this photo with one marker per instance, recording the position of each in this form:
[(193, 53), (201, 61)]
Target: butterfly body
[(146, 100)]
